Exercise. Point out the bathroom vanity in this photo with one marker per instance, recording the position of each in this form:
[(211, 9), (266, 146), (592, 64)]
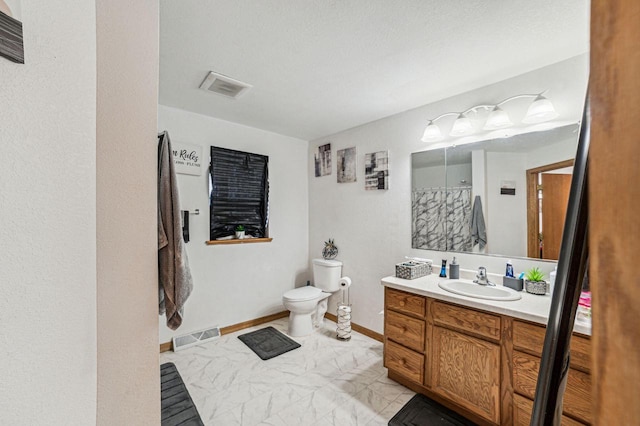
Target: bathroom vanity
[(478, 357)]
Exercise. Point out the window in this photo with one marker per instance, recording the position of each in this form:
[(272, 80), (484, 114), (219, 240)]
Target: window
[(239, 192)]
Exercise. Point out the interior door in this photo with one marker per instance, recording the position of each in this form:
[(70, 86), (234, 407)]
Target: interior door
[(555, 194)]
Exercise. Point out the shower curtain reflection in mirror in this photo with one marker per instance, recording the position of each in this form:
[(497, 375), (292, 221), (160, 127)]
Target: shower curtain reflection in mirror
[(440, 225)]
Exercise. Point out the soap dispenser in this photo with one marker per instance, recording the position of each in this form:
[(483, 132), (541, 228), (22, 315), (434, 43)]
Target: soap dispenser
[(454, 269)]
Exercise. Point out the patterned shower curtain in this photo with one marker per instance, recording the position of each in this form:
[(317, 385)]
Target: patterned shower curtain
[(429, 219), (459, 219), (441, 219)]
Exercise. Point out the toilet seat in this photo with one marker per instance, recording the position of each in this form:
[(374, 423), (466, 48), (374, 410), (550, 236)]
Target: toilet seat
[(302, 294)]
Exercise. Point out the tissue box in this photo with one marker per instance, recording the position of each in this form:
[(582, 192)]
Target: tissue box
[(514, 283), (412, 270)]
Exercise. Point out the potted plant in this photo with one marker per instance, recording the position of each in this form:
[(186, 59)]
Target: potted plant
[(330, 250), (534, 282), (239, 232)]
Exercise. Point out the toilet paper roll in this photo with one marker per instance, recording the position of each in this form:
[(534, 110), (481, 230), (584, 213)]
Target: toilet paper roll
[(345, 282)]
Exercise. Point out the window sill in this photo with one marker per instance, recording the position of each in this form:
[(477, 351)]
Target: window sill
[(237, 241)]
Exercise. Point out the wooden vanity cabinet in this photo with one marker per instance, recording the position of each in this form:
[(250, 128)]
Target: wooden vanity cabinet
[(481, 364)]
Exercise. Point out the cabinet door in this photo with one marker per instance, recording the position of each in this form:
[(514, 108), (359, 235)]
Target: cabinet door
[(466, 370), (577, 396), (523, 408)]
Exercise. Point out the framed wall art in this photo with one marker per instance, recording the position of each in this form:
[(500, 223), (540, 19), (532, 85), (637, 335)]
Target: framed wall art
[(11, 39), (376, 170), (346, 165), (322, 160)]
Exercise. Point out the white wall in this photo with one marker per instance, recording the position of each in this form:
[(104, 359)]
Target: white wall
[(236, 283), (373, 228), (434, 176), (459, 173), (48, 232), (128, 366), (506, 215), (428, 177), (559, 151)]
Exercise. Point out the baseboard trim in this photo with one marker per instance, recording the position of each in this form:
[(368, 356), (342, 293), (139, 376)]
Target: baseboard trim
[(360, 329), (168, 346), (253, 322)]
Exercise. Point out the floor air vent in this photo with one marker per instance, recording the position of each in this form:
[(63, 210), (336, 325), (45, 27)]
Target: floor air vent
[(195, 338), (223, 85)]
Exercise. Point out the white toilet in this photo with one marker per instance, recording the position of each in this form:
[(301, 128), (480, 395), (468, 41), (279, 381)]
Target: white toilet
[(307, 305)]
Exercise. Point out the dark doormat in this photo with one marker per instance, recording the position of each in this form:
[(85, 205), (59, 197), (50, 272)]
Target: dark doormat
[(177, 405), (268, 342), (422, 411)]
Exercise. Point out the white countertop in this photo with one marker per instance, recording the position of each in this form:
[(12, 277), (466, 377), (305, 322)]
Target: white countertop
[(531, 307)]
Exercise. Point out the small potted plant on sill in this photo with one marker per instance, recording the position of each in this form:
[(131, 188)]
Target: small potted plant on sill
[(534, 282), (240, 232)]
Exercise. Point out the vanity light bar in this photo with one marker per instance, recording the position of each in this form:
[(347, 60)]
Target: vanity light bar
[(540, 110)]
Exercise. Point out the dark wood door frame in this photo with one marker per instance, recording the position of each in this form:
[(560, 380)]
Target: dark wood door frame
[(614, 201), (533, 226)]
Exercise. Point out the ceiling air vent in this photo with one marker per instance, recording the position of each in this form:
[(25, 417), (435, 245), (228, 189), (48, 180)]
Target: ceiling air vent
[(223, 85)]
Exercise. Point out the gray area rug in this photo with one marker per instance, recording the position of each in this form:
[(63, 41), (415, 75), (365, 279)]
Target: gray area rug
[(177, 406), (268, 342), (422, 411)]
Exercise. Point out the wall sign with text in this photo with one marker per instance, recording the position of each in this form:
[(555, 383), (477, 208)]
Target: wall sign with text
[(187, 158)]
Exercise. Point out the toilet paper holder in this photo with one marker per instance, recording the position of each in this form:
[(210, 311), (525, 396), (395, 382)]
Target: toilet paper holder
[(344, 312)]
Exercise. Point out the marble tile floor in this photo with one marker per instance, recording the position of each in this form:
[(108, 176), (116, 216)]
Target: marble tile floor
[(325, 382)]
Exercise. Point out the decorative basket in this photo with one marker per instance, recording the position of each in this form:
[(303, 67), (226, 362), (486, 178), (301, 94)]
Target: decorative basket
[(412, 270), (535, 287)]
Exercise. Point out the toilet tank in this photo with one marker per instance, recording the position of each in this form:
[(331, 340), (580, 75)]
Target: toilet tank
[(327, 274)]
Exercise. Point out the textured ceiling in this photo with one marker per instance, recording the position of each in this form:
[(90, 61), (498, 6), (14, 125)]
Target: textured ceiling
[(320, 67)]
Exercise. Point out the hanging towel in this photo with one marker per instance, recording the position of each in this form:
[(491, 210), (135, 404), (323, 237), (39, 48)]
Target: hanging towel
[(174, 277), (478, 229)]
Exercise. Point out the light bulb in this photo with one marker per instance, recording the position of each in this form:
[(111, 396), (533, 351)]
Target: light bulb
[(462, 126), (540, 110), (431, 133), (498, 118)]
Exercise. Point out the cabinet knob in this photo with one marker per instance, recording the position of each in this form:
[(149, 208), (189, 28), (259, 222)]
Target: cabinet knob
[(402, 303), (403, 362)]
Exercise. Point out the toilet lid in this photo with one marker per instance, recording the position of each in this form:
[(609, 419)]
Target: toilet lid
[(302, 293)]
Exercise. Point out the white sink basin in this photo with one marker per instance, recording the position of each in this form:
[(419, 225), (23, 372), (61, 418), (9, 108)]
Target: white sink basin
[(471, 289)]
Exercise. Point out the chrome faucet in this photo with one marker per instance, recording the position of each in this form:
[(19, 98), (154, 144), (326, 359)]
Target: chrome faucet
[(481, 277)]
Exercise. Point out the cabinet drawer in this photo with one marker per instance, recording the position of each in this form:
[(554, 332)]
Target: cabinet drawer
[(405, 330), (479, 323), (530, 338), (405, 302), (577, 396), (404, 361), (522, 409)]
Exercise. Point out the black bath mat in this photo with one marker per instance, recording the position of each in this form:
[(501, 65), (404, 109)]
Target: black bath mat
[(268, 342), (177, 405), (422, 411)]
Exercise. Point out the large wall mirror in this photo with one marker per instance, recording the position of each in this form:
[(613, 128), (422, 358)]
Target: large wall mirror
[(503, 196)]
